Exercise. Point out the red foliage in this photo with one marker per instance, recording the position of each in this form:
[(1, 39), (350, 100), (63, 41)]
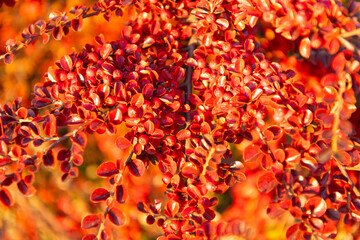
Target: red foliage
[(187, 103)]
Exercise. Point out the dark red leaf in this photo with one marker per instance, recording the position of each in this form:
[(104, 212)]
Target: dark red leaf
[(333, 214), (80, 138), (116, 216), (63, 155), (41, 102), (209, 214), (58, 33), (76, 24), (66, 63), (9, 58), (99, 194), (121, 194), (136, 167), (49, 158), (5, 197)]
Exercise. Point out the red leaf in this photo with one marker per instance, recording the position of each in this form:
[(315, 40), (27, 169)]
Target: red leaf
[(172, 207), (99, 194), (6, 198), (316, 206), (105, 50), (158, 134), (223, 23), (107, 169), (305, 47), (89, 237), (90, 221), (339, 61), (193, 191), (343, 157), (190, 172), (183, 134), (137, 100), (317, 224), (116, 116), (5, 161), (148, 90), (292, 156), (136, 167), (50, 127), (267, 182), (148, 41), (334, 45), (294, 232), (116, 216), (252, 153), (123, 143), (195, 99), (149, 127), (274, 210)]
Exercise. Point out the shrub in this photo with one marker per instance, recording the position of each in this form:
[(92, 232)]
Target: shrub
[(187, 100)]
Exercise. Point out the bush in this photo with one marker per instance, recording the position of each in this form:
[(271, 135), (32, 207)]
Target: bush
[(207, 119)]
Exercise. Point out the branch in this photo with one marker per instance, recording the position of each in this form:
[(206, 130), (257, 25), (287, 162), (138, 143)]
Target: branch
[(189, 72), (112, 192), (26, 42), (334, 143), (208, 158), (355, 32)]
